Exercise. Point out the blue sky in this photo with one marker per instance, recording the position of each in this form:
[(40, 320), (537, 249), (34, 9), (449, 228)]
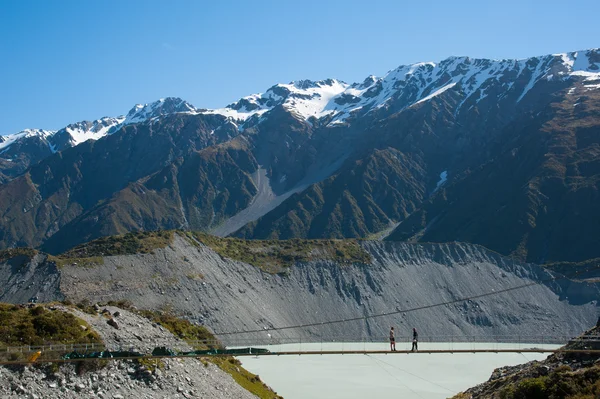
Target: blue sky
[(64, 61)]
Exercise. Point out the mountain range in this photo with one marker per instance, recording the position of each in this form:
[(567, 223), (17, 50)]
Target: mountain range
[(502, 153)]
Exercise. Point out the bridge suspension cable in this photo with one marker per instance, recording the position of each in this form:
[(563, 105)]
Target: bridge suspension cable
[(410, 310)]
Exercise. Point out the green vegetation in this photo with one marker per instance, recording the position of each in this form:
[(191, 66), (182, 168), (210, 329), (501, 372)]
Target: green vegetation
[(183, 329), (273, 255), (127, 244), (92, 253), (561, 383), (25, 253), (21, 325), (33, 326), (244, 378), (19, 257), (586, 270)]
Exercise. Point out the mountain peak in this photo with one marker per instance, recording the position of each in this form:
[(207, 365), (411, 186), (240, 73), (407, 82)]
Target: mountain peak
[(168, 105), (311, 84)]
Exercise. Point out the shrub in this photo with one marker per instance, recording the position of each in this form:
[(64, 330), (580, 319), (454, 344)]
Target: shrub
[(531, 388), (37, 326)]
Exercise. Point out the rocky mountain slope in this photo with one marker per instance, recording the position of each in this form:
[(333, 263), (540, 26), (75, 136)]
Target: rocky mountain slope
[(298, 282), (561, 375), (20, 150), (172, 378), (516, 142), (536, 198)]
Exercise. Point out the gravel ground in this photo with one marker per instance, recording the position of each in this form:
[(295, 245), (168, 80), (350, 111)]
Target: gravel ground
[(186, 378), (175, 378), (134, 333)]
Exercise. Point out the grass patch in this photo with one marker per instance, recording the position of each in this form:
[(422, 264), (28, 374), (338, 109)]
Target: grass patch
[(274, 256), (560, 383), (91, 254), (127, 244), (586, 270), (21, 325), (191, 333), (25, 253), (244, 378)]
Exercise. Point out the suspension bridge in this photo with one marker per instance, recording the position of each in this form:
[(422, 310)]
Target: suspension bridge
[(293, 346)]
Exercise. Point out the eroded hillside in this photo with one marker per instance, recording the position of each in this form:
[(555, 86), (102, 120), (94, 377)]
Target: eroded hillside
[(300, 282)]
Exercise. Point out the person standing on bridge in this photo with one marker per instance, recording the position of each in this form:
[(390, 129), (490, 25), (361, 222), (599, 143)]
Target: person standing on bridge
[(392, 340), (415, 340)]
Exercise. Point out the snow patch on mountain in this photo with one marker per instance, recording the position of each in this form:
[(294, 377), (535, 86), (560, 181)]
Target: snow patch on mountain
[(85, 130), (437, 92), (304, 98), (441, 182), (7, 141)]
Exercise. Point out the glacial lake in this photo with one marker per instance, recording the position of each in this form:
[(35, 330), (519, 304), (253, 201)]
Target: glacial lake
[(359, 376)]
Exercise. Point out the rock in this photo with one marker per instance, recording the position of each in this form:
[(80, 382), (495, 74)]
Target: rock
[(543, 370), (117, 314), (113, 323), (180, 389), (118, 396), (52, 385), (79, 387)]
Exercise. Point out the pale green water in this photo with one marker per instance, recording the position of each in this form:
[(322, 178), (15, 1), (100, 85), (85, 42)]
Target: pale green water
[(426, 376)]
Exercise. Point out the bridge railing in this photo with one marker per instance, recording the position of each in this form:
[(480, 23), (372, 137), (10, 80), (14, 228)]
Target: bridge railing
[(450, 339)]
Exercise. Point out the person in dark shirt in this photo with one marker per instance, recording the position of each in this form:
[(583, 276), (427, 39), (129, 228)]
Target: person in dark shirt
[(392, 340), (415, 340)]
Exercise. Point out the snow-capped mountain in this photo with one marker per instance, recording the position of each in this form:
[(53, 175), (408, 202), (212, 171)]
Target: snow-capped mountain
[(413, 84), (20, 150), (7, 141), (483, 151), (403, 87)]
